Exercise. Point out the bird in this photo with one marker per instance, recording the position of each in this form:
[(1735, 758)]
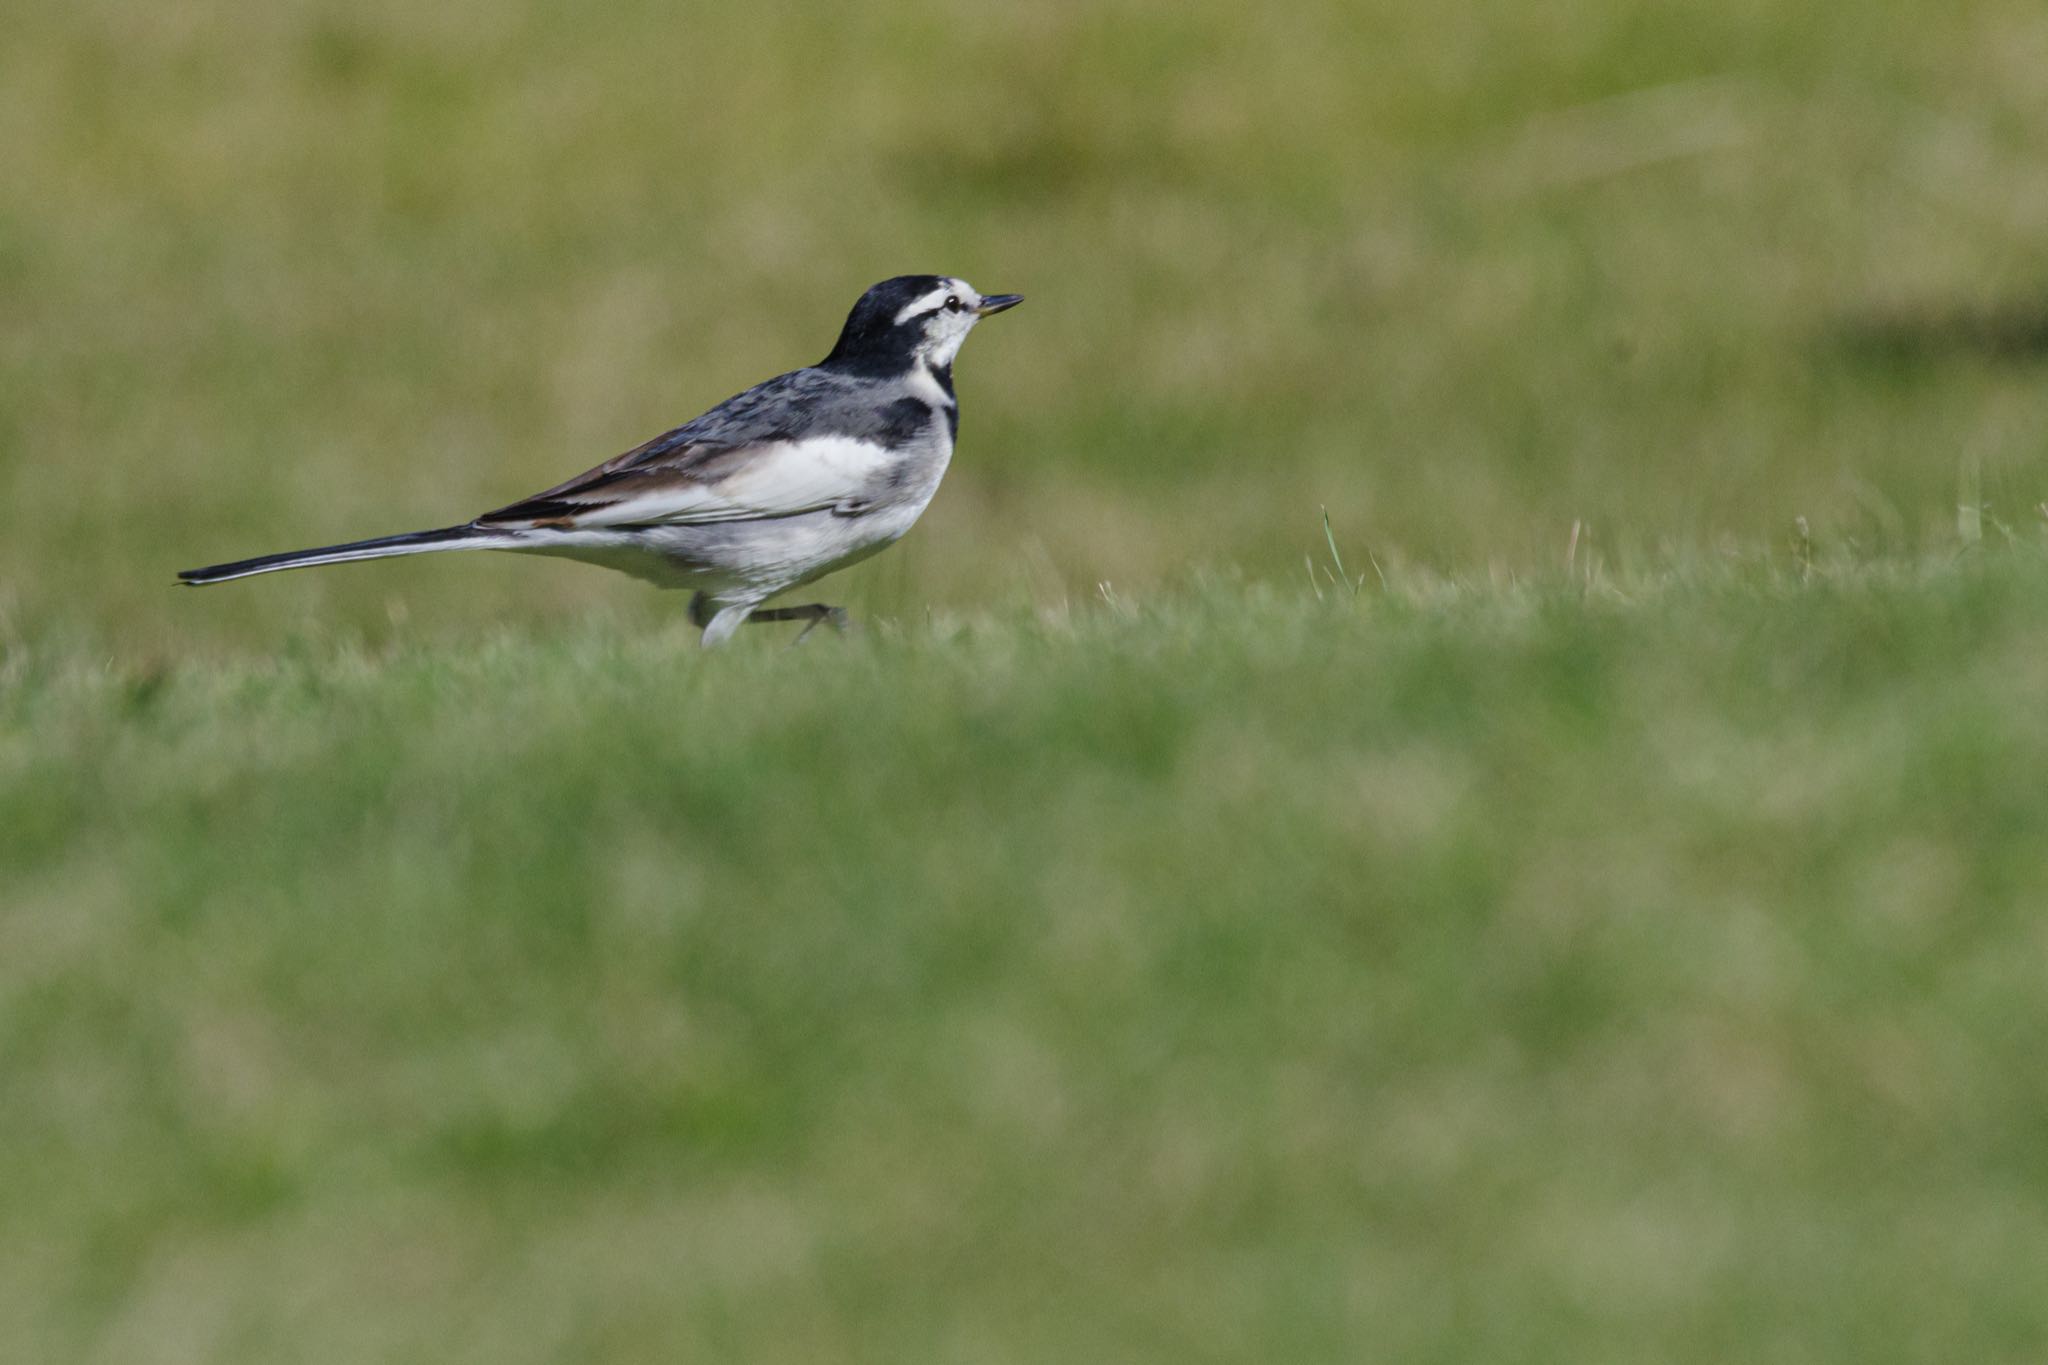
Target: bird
[(775, 487)]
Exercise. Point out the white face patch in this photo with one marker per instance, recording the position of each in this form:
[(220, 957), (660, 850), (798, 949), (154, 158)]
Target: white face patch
[(944, 328)]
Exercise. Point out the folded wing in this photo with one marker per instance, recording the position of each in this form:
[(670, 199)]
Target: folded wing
[(702, 483), (756, 456)]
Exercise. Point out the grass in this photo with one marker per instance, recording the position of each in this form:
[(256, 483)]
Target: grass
[(1592, 918), (284, 275), (1530, 973)]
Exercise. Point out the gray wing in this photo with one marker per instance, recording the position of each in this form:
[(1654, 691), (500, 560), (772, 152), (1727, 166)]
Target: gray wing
[(758, 454)]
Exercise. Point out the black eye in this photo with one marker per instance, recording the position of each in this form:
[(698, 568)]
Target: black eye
[(952, 303)]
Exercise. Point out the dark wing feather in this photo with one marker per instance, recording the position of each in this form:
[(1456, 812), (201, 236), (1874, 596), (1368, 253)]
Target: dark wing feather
[(672, 451), (784, 408)]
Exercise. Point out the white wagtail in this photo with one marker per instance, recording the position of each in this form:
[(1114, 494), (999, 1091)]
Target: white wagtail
[(771, 489)]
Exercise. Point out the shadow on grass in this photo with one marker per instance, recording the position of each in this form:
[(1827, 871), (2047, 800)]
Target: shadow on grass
[(2015, 332)]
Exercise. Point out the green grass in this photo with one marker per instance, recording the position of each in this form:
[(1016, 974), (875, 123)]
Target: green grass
[(277, 275), (1608, 933), (1530, 973)]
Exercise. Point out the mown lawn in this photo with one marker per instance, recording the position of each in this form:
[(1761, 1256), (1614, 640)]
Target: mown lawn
[(1613, 934), (275, 275), (1637, 970)]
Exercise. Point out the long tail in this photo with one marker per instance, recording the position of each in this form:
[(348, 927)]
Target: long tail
[(412, 543)]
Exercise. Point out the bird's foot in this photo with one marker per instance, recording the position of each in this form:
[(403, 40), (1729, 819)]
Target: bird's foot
[(811, 613)]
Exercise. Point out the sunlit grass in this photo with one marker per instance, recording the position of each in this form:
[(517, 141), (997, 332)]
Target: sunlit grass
[(1219, 974), (290, 275)]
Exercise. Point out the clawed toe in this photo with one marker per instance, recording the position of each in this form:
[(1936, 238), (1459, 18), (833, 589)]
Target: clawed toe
[(834, 617), (810, 614)]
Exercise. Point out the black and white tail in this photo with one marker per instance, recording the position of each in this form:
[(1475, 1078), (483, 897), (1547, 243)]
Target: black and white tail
[(412, 543)]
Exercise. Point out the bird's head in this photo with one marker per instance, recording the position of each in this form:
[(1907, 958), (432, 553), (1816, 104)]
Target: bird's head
[(912, 319)]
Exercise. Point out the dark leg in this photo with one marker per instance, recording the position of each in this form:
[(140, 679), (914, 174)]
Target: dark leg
[(813, 612)]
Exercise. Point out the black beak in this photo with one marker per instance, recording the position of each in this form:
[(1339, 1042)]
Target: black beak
[(996, 303)]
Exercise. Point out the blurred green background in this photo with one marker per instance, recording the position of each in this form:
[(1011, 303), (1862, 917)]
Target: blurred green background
[(1620, 945), (283, 274)]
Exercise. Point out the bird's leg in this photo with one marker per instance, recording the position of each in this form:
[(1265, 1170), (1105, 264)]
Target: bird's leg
[(813, 612), (719, 623)]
